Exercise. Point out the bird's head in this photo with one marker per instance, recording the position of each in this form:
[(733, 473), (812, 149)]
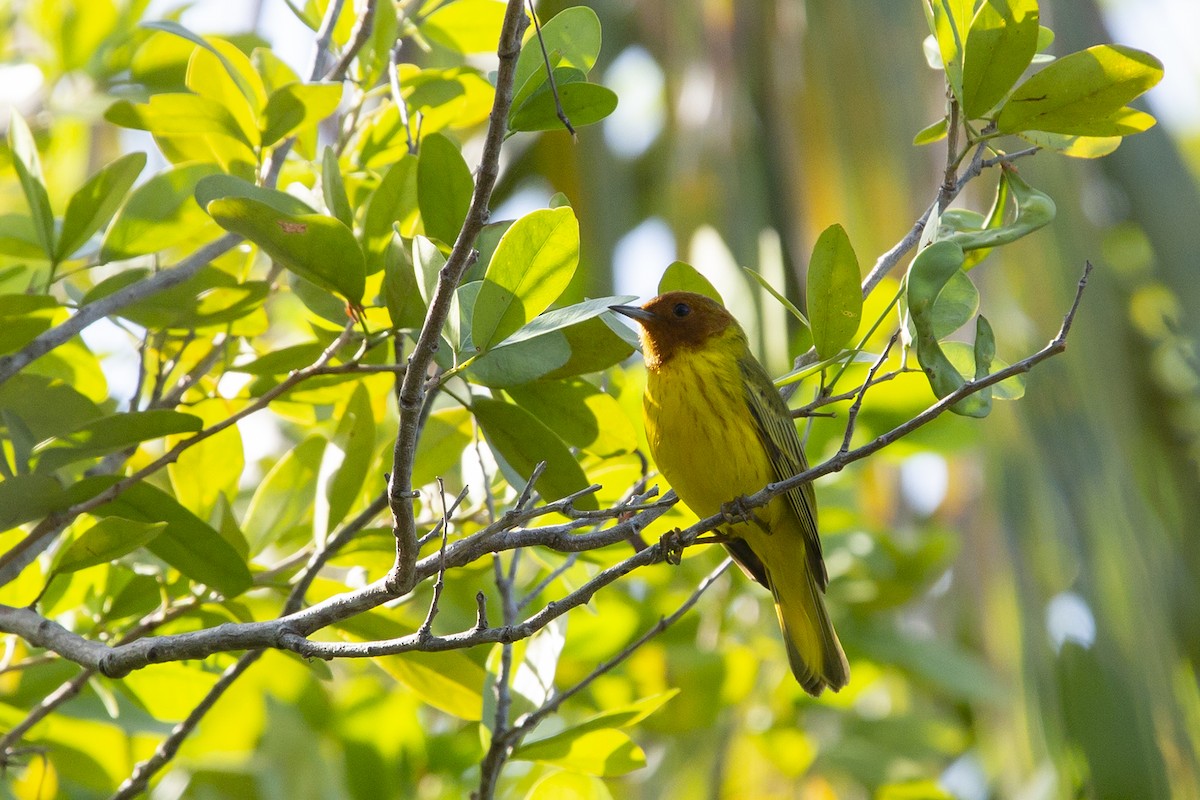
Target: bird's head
[(677, 321)]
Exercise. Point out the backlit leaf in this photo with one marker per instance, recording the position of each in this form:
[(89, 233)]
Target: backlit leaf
[(834, 294), (1079, 94), (94, 204)]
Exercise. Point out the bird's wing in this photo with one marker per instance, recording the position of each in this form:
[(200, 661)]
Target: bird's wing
[(778, 434)]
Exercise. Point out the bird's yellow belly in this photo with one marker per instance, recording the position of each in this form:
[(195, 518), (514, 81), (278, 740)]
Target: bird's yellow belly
[(703, 438)]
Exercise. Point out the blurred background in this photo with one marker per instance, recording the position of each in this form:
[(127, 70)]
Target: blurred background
[(1018, 596)]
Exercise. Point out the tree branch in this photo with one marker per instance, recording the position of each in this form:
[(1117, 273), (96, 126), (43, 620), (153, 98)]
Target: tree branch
[(290, 631), (402, 577)]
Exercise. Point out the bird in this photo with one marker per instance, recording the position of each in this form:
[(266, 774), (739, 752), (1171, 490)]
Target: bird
[(719, 431)]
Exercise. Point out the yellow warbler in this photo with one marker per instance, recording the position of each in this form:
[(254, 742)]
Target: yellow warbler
[(719, 431)]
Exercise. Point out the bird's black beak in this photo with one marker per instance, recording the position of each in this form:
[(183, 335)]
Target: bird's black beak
[(634, 313)]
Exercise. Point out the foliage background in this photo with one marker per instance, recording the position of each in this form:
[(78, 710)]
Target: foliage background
[(1032, 628)]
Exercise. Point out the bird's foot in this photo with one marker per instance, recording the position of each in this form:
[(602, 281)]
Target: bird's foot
[(738, 510), (672, 546)]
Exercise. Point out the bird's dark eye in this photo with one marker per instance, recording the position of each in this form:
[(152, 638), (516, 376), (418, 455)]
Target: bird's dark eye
[(682, 309)]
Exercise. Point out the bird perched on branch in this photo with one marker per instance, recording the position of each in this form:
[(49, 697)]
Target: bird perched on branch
[(719, 431)]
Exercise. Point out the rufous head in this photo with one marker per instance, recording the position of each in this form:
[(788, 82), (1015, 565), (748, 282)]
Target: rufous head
[(676, 321)]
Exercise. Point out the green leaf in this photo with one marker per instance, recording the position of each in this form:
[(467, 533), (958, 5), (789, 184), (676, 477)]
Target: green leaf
[(347, 460), (446, 434), (931, 133), (572, 38), (188, 543), (521, 362), (962, 356), (466, 26), (19, 238), (582, 415), (296, 106), (783, 301), (1083, 94), (178, 114), (452, 685), (533, 264), (285, 496), (212, 468), (1073, 146), (223, 74), (605, 752), (521, 441), (565, 317), (444, 187), (237, 75), (392, 206), (955, 305), (216, 187), (333, 188), (107, 540), (949, 23), (24, 498), (91, 208), (595, 345), (834, 294), (582, 103), (560, 784), (112, 433), (160, 214), (401, 293), (23, 317), (627, 715), (318, 248), (1000, 45), (29, 172), (681, 277), (283, 360)]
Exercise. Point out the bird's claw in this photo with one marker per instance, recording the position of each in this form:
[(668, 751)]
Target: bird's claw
[(672, 547), (738, 510)]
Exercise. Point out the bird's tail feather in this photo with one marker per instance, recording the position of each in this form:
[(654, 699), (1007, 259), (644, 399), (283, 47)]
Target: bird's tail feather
[(813, 649)]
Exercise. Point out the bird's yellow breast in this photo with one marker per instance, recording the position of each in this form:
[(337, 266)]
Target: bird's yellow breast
[(700, 430)]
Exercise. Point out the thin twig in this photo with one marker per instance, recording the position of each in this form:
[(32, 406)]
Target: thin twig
[(440, 582), (358, 38), (398, 97), (852, 414), (558, 108)]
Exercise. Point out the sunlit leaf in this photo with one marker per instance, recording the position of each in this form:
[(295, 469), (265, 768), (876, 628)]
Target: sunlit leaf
[(318, 248), (580, 414), (108, 539), (604, 752), (466, 26), (29, 171), (295, 106), (1079, 94), (159, 214), (1001, 43), (532, 265), (93, 205)]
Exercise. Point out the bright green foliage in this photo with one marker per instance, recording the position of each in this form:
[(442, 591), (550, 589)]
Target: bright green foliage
[(336, 197)]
